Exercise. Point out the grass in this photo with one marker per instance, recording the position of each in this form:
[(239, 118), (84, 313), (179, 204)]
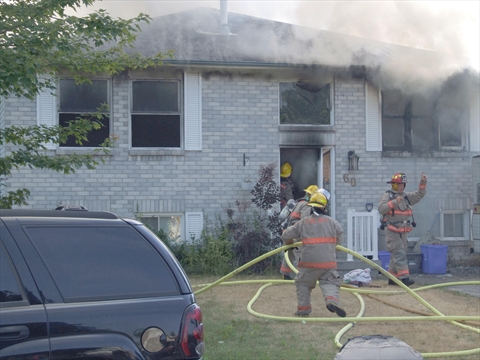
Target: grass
[(232, 333)]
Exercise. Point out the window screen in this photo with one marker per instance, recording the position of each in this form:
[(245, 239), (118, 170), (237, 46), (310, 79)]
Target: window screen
[(9, 288), (102, 263)]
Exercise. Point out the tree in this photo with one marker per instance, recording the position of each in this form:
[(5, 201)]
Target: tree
[(38, 41)]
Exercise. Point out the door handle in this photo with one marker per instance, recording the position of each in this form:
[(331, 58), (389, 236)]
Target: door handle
[(15, 332)]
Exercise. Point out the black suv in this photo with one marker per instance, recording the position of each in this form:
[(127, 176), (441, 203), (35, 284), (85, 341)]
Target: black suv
[(76, 284)]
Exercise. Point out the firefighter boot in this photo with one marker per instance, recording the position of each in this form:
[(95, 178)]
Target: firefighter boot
[(332, 307), (391, 282), (408, 281)]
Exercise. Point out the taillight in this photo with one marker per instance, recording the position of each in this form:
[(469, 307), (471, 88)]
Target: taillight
[(192, 332)]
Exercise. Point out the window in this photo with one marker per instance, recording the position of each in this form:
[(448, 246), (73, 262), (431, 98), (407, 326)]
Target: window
[(454, 225), (169, 226), (102, 263), (80, 100), (304, 103), (426, 122), (156, 114), (9, 288)]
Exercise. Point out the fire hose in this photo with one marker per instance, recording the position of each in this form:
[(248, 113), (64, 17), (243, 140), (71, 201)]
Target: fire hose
[(351, 321)]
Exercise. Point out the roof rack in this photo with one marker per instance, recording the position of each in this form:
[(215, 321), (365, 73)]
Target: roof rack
[(71, 208)]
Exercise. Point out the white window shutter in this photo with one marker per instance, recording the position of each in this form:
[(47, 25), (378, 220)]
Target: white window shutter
[(474, 124), (46, 111), (193, 111), (373, 118), (193, 225)]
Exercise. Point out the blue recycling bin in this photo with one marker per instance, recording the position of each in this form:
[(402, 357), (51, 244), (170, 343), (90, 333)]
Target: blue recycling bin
[(434, 258)]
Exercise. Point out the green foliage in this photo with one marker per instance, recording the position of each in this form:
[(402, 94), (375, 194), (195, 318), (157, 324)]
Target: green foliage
[(39, 41), (38, 37), (30, 150), (211, 254)]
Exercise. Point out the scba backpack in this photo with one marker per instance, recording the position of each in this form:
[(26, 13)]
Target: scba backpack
[(358, 277)]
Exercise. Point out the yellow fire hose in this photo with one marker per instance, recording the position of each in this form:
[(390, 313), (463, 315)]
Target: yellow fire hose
[(437, 315)]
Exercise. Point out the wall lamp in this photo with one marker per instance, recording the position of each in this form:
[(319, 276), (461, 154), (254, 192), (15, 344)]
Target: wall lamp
[(353, 160)]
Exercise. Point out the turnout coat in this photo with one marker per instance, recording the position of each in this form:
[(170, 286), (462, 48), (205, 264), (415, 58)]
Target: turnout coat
[(320, 234)]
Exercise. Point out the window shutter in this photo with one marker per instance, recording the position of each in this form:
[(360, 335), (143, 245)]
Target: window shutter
[(193, 112), (193, 225), (46, 111), (474, 124), (373, 118)]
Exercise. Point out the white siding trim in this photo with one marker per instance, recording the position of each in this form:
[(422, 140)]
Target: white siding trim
[(373, 118), (46, 112), (475, 123), (193, 111), (193, 225)]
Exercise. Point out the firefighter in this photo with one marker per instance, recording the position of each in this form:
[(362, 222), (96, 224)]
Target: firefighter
[(396, 207), (319, 234), (299, 211), (287, 187)]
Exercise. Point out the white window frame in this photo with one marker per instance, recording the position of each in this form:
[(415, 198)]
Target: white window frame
[(166, 215), (179, 113), (57, 100), (191, 223), (465, 224)]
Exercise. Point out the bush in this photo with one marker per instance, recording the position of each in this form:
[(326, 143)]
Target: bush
[(246, 235)]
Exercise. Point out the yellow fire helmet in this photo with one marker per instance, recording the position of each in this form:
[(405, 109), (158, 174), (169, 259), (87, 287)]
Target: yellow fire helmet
[(311, 189), (318, 200), (285, 170)]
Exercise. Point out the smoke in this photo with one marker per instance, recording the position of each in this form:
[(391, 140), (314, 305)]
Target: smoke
[(447, 27)]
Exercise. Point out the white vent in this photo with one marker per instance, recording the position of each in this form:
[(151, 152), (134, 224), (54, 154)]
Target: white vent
[(193, 225)]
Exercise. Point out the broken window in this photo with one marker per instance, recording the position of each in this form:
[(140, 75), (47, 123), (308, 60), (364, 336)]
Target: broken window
[(422, 122), (156, 114), (82, 100), (304, 103)]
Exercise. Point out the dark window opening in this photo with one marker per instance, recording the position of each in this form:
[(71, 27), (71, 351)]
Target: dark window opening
[(81, 101), (156, 120), (304, 103), (426, 122)]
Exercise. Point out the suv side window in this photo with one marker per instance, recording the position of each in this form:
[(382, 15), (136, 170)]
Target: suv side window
[(9, 287), (102, 263)]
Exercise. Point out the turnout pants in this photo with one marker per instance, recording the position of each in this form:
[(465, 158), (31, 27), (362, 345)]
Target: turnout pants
[(305, 281), (397, 245)]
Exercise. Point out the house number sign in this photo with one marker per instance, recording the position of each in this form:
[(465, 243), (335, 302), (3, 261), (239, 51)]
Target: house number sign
[(351, 180)]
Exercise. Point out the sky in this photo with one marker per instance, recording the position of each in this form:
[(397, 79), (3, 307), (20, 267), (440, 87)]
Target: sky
[(451, 27)]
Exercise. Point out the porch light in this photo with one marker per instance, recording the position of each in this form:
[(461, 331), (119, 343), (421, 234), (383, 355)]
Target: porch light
[(353, 160)]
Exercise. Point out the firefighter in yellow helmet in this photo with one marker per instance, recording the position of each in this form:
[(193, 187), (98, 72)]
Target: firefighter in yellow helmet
[(320, 234), (299, 211), (396, 207), (287, 188)]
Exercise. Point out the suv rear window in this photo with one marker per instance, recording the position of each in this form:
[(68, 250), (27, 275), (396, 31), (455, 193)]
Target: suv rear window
[(9, 288), (102, 263)]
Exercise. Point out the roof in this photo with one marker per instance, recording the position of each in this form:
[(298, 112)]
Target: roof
[(195, 37)]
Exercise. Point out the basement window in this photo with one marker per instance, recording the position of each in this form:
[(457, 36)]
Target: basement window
[(82, 100), (156, 114), (305, 103), (167, 226), (454, 225)]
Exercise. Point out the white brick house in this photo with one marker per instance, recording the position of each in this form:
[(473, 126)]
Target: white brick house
[(185, 129)]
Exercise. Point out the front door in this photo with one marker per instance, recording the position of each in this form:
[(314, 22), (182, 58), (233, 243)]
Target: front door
[(311, 166)]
